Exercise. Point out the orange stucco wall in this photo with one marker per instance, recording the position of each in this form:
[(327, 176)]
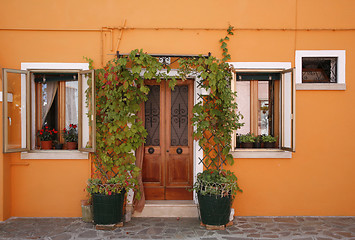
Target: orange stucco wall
[(317, 180)]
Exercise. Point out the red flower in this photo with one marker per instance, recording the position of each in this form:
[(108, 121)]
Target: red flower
[(74, 126), (46, 127), (70, 125), (40, 133), (109, 192)]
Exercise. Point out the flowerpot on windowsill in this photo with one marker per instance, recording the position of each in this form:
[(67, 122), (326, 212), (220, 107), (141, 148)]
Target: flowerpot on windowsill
[(269, 145), (45, 145), (72, 145), (257, 145), (247, 145)]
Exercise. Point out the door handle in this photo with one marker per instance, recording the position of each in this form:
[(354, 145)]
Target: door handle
[(179, 150), (151, 150)]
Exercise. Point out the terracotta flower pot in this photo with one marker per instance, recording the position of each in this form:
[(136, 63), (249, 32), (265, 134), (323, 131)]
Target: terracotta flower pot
[(72, 145), (45, 145)]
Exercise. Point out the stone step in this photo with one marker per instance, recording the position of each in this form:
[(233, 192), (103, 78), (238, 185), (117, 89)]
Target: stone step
[(168, 208)]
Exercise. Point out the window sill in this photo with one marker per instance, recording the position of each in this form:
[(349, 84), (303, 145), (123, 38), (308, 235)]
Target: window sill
[(54, 154), (261, 153), (320, 86)]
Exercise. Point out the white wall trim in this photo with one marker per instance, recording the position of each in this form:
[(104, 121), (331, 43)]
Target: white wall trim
[(340, 54), (55, 154), (320, 86), (261, 65), (261, 153), (54, 66)]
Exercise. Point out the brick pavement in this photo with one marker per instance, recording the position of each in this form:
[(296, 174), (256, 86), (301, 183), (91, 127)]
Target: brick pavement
[(301, 228)]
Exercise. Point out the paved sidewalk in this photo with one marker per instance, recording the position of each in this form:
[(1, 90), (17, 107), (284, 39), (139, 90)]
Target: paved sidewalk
[(302, 228)]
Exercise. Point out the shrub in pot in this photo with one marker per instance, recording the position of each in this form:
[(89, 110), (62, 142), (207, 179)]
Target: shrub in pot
[(46, 137), (269, 141), (216, 190), (70, 136), (107, 200), (247, 140)]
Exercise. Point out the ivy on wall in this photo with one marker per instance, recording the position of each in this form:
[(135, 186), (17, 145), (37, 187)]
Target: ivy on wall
[(215, 116), (120, 90)]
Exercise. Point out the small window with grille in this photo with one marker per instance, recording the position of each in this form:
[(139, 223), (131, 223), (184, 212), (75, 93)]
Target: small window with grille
[(319, 69)]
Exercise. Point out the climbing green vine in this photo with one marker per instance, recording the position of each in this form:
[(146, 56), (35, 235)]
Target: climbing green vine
[(120, 90), (215, 117)]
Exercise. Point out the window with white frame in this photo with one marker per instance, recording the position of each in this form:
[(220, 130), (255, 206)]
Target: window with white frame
[(266, 99), (320, 70), (52, 95)]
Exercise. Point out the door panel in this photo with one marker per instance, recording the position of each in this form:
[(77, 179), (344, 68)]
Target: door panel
[(154, 149), (167, 163)]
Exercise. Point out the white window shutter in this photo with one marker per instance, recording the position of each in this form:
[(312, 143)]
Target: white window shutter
[(87, 112), (16, 117), (288, 114)]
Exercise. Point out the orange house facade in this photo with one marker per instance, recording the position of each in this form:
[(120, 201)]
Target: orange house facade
[(293, 75)]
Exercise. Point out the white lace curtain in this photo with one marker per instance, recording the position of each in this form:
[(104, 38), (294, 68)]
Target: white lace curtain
[(71, 100)]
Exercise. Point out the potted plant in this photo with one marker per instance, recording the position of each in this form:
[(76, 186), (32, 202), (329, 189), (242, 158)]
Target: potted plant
[(247, 140), (215, 117), (216, 189), (46, 137), (258, 141), (108, 200), (70, 136), (269, 141)]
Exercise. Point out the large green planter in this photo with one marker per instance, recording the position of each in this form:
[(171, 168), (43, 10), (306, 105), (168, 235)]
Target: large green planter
[(214, 209), (108, 209)]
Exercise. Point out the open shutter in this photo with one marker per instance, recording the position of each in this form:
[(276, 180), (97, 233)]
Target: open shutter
[(16, 110), (87, 111), (234, 133), (288, 113)]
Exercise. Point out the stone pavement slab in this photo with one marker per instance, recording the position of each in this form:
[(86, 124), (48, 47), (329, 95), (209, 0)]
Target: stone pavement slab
[(255, 228)]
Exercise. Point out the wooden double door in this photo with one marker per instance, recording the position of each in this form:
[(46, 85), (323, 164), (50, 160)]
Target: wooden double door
[(168, 152)]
